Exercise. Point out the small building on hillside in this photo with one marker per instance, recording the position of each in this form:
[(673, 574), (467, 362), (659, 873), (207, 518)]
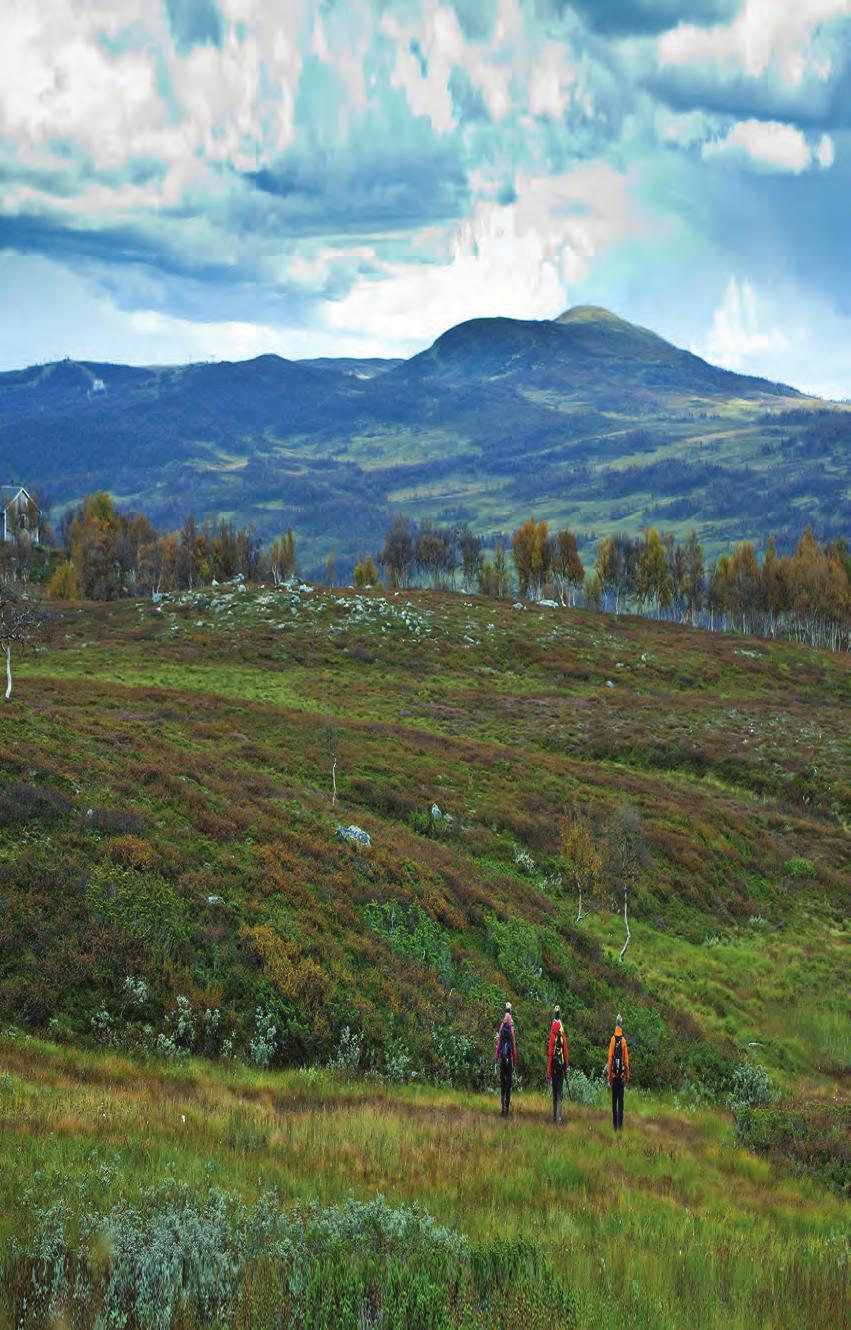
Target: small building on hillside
[(20, 514)]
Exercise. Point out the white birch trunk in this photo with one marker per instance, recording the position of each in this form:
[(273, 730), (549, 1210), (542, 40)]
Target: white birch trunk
[(334, 783), (626, 926), (8, 650)]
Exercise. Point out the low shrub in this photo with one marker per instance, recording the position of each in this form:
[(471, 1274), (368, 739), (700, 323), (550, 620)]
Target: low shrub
[(582, 1089), (752, 1088), (815, 1138), (176, 1259)]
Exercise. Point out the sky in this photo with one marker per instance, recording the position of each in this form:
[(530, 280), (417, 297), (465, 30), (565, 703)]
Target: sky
[(215, 179)]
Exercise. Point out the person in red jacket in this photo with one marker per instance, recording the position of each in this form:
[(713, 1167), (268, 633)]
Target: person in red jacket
[(506, 1056), (618, 1073), (557, 1063)]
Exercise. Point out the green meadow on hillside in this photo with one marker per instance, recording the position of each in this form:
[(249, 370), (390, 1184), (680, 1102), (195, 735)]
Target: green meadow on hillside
[(670, 1224), (172, 890)]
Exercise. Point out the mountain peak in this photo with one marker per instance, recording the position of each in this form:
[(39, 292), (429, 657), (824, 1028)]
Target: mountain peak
[(589, 314)]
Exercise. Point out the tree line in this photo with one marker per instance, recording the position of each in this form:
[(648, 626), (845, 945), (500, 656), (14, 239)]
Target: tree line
[(804, 595), (110, 553)]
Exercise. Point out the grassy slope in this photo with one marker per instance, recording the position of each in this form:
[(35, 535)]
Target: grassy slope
[(668, 1225), (197, 736), (202, 730)]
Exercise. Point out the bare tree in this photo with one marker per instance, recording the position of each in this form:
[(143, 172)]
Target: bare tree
[(22, 622), (627, 858)]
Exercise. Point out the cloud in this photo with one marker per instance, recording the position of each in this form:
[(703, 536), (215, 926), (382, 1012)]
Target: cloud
[(771, 334), (737, 335), (764, 33), (517, 259), (770, 145), (269, 172)]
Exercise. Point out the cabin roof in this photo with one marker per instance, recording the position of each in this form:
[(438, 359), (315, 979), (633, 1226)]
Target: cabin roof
[(8, 494)]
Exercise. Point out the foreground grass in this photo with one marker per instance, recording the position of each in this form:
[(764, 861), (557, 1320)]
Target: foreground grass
[(670, 1224)]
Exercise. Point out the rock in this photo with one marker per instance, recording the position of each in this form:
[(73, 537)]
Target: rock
[(436, 813), (214, 582), (609, 683), (549, 604), (215, 900), (353, 833), (518, 605)]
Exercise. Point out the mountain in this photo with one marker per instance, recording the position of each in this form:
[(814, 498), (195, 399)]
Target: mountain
[(586, 419)]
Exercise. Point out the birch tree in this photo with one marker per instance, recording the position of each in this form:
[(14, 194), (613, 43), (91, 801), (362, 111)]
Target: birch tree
[(582, 860), (21, 624), (627, 858)]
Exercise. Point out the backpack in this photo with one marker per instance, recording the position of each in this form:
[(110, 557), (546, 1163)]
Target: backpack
[(617, 1058), (558, 1049), (506, 1043)]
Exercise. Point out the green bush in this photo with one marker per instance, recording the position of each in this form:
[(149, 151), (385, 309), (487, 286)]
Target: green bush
[(752, 1087), (814, 1137), (584, 1089), (412, 933), (176, 1259), (143, 906), (799, 867), (518, 954)]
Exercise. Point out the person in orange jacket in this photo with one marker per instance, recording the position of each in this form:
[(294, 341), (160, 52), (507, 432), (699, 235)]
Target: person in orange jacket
[(557, 1063), (618, 1073)]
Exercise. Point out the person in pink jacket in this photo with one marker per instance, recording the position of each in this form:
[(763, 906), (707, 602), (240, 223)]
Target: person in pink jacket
[(557, 1063), (506, 1056)]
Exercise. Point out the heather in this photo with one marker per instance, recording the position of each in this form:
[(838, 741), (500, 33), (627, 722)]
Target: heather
[(227, 1029)]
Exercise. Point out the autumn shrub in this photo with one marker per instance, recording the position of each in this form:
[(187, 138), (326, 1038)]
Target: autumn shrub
[(131, 852)]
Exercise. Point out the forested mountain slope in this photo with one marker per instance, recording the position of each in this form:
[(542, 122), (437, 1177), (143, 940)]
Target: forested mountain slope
[(588, 420)]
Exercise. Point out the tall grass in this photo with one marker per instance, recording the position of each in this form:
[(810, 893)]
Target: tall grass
[(670, 1224)]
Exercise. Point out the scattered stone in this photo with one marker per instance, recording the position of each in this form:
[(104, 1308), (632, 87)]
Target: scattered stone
[(549, 604), (353, 833)]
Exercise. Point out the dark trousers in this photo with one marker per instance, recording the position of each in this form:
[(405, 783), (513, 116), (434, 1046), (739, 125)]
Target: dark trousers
[(558, 1093), (506, 1075), (617, 1104)]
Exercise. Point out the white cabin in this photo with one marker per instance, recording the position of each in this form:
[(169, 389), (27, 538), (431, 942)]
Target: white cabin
[(20, 514)]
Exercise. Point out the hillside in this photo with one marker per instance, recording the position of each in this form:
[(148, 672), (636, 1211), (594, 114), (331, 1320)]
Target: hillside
[(177, 914), (586, 419), (194, 1170), (157, 756)]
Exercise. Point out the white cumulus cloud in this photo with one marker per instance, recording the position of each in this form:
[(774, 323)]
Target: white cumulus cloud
[(779, 33), (772, 145)]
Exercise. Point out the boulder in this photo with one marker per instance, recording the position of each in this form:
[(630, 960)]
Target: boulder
[(353, 833)]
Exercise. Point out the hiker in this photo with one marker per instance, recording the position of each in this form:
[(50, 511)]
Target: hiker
[(618, 1073), (557, 1063), (506, 1056)]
